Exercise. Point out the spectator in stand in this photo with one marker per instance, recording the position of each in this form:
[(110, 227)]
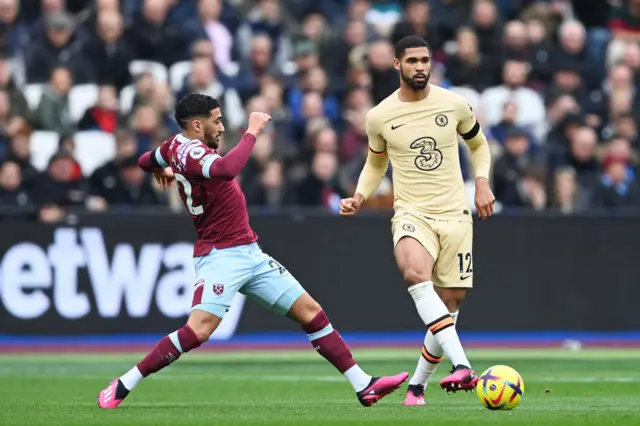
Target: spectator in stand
[(152, 38), (103, 116), (146, 126), (17, 101), (258, 65), (314, 80), (509, 169), (516, 43), (110, 52), (531, 110), (12, 192), (13, 33), (486, 24), (19, 153), (130, 186), (568, 196), (384, 77), (53, 112), (468, 67), (208, 25), (321, 187), (59, 187), (264, 20), (417, 21), (617, 187), (60, 45), (625, 28), (271, 189)]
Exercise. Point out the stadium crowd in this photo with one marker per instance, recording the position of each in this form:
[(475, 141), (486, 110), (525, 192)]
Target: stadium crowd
[(86, 86)]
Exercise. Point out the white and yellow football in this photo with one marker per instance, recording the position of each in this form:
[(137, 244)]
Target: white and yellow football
[(500, 388)]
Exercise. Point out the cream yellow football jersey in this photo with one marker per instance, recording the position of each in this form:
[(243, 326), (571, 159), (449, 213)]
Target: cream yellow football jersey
[(421, 139)]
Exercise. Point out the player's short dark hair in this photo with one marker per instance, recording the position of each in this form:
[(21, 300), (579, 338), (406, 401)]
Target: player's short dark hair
[(192, 106), (408, 42)]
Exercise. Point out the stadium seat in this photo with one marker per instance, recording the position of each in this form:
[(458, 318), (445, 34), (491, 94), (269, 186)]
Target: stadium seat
[(93, 149), (42, 145), (177, 73), (81, 98), (33, 93), (126, 98), (158, 70)]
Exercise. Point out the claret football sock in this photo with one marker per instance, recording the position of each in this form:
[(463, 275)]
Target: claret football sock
[(439, 322), (330, 345), (429, 358), (167, 350)]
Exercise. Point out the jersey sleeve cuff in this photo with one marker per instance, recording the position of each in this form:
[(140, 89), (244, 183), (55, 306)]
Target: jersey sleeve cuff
[(159, 159), (206, 167), (376, 152)]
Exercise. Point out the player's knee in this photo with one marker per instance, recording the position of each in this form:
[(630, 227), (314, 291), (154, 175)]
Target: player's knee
[(413, 275), (203, 325), (304, 309)]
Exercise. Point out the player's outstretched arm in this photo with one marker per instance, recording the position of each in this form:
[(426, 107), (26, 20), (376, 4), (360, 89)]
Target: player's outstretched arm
[(230, 166)]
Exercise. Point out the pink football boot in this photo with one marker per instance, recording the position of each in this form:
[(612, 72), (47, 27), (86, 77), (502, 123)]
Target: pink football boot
[(461, 378), (380, 387), (415, 396), (112, 395)]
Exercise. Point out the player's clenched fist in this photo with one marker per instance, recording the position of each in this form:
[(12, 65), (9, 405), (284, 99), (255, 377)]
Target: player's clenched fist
[(484, 198), (164, 178), (349, 206), (257, 122)]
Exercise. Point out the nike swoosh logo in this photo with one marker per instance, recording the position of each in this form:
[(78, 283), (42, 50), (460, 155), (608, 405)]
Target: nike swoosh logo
[(462, 277), (395, 127)]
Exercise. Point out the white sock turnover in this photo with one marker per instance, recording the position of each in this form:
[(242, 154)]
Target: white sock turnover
[(429, 358), (131, 378), (436, 317), (358, 378)]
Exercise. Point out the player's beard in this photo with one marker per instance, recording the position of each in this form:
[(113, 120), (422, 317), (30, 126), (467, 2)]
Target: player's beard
[(415, 84), (213, 141)]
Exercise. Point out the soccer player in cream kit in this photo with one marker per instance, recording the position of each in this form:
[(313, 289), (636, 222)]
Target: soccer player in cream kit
[(416, 128)]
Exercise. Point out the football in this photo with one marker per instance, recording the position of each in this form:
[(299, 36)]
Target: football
[(500, 388)]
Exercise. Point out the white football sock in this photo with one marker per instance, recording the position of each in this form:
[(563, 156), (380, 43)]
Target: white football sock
[(436, 316), (131, 378), (358, 378), (425, 369)]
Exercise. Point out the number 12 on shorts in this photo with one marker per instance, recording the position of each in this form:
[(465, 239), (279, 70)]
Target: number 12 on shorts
[(466, 264)]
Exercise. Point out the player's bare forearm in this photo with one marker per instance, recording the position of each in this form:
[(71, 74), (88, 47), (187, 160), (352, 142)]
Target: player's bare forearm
[(230, 166)]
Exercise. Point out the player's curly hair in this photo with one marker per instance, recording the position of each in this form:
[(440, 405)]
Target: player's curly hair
[(192, 106), (407, 43)]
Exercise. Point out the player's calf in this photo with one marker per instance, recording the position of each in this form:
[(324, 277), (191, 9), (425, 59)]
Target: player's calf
[(198, 329), (330, 345)]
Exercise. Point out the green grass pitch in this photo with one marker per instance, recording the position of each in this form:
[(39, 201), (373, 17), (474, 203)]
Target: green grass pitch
[(590, 387)]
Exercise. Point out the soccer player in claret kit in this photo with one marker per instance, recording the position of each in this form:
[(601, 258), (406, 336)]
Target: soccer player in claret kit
[(226, 256), (417, 129)]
